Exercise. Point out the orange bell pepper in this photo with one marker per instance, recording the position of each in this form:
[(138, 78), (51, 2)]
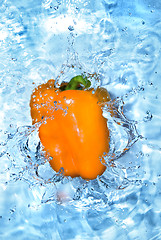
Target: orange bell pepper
[(73, 131)]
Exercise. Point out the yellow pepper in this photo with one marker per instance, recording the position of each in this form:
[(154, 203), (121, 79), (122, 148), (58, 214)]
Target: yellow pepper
[(73, 131)]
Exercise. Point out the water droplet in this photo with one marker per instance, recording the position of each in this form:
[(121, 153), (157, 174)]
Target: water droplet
[(71, 28), (148, 117), (55, 103)]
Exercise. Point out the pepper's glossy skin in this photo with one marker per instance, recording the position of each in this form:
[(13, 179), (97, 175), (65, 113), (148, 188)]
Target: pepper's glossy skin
[(73, 131)]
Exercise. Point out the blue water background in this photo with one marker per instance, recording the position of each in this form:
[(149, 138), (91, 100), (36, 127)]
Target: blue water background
[(120, 41)]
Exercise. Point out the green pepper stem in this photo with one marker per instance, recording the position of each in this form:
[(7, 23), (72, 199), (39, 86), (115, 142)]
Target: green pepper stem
[(76, 81)]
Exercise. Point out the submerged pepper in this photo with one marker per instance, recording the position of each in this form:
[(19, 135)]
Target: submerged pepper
[(72, 129)]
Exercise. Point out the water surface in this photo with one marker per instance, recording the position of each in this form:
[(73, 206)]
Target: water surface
[(120, 42)]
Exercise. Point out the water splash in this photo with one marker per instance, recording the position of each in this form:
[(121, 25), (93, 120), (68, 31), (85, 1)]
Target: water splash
[(29, 164)]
